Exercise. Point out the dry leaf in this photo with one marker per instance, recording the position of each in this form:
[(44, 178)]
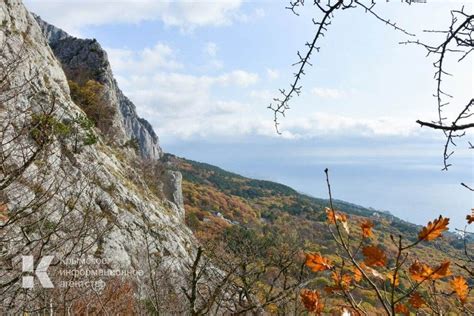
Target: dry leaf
[(342, 281), (470, 218), (357, 274), (334, 216), (461, 288), (312, 301), (367, 228), (416, 300), (316, 262), (402, 309), (442, 271), (420, 271), (434, 229), (374, 256)]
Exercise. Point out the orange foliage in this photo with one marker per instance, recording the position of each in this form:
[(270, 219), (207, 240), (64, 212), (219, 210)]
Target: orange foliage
[(420, 271), (117, 298), (366, 227), (342, 281), (470, 218), (316, 262), (416, 300), (461, 288), (357, 274), (442, 271), (402, 309), (334, 216), (374, 256), (312, 301), (434, 229)]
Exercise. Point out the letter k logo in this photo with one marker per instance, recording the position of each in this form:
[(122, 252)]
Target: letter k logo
[(40, 272)]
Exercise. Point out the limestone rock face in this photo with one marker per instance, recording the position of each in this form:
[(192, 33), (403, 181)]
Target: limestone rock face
[(85, 57), (98, 180), (173, 191)]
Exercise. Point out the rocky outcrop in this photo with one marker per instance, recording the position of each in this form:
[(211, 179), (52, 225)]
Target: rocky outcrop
[(57, 187), (84, 59), (172, 190)]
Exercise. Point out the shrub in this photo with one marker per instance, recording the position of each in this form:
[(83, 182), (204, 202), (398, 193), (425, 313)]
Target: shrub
[(44, 126), (90, 97)]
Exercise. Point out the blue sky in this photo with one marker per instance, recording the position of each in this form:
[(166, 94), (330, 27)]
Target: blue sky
[(203, 73)]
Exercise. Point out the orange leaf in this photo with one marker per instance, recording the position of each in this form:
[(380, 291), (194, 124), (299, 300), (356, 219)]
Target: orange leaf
[(357, 274), (442, 271), (374, 256), (334, 216), (434, 229), (316, 262), (416, 300), (331, 289), (402, 309), (367, 228), (459, 286), (342, 281), (470, 218), (420, 271), (312, 301)]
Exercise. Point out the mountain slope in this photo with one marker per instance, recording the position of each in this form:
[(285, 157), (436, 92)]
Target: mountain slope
[(215, 199), (66, 191), (83, 60)]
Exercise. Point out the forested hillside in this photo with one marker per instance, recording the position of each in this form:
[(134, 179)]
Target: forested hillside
[(219, 202)]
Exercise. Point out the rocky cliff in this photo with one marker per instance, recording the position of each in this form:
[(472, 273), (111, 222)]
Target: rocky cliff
[(64, 190), (84, 59)]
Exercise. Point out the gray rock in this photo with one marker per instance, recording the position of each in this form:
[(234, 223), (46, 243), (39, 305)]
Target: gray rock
[(96, 177), (172, 190), (84, 59)]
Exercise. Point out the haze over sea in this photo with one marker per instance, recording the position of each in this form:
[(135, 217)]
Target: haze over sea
[(405, 179)]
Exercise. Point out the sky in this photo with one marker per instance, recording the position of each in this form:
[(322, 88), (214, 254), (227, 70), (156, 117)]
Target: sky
[(204, 72)]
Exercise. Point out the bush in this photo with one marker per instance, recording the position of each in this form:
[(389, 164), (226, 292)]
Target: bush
[(90, 98), (44, 126)]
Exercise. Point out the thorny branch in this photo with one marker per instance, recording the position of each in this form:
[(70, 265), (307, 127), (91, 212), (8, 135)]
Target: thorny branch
[(281, 104), (458, 41)]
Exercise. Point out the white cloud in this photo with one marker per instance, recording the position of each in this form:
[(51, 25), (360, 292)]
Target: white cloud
[(328, 93), (73, 15), (256, 14), (239, 77), (148, 60), (273, 74), (210, 49), (184, 105), (317, 124), (181, 104), (262, 95)]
